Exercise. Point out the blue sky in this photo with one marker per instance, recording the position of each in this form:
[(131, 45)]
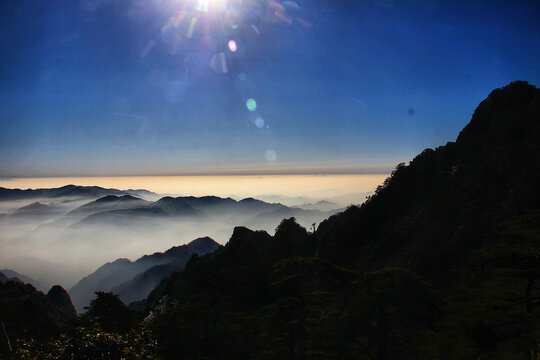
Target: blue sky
[(137, 87)]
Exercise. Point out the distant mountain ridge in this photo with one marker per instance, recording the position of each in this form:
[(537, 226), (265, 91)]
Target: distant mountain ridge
[(112, 205), (68, 191), (4, 278), (250, 209), (25, 279), (172, 260), (72, 226), (108, 203), (36, 208), (122, 275)]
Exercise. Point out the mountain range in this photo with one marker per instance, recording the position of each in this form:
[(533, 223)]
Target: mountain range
[(109, 203), (134, 280), (7, 274), (441, 262), (67, 223), (69, 191), (116, 203)]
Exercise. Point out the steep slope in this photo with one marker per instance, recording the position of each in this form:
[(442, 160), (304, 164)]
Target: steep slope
[(141, 285), (171, 260), (447, 201), (122, 271), (102, 279), (442, 262), (61, 299), (246, 256)]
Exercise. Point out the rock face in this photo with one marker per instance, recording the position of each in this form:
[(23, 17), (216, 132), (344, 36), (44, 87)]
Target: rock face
[(59, 297)]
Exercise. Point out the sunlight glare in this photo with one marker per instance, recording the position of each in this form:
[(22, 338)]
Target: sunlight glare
[(207, 5)]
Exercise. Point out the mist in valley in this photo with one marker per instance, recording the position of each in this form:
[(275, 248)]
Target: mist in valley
[(62, 239)]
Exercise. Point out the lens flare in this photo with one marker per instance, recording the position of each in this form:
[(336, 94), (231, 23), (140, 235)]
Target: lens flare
[(251, 104), (219, 63), (191, 27), (219, 33), (270, 155), (232, 46), (259, 122), (202, 5)]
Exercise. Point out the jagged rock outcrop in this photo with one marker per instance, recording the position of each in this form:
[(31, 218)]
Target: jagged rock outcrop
[(61, 299)]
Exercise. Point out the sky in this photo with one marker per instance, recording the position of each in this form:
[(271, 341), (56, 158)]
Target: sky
[(193, 87)]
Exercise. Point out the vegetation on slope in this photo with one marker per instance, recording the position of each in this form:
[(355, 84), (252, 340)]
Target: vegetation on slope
[(441, 263)]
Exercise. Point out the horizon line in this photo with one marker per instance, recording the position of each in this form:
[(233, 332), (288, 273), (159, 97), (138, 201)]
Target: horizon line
[(378, 170)]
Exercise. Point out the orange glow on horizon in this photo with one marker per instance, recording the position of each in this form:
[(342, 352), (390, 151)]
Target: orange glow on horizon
[(313, 186)]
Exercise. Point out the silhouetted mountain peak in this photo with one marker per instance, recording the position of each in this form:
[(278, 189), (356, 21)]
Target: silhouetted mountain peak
[(175, 206), (445, 195), (241, 232), (246, 245), (112, 198), (288, 227), (200, 245), (251, 200), (505, 124), (33, 206), (121, 261), (109, 204), (28, 313), (133, 280), (60, 297), (202, 241)]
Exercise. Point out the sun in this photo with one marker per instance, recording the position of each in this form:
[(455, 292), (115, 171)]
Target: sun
[(211, 5)]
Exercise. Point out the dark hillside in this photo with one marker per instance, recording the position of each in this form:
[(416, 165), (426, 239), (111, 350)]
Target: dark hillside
[(447, 201), (26, 312), (442, 262)]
